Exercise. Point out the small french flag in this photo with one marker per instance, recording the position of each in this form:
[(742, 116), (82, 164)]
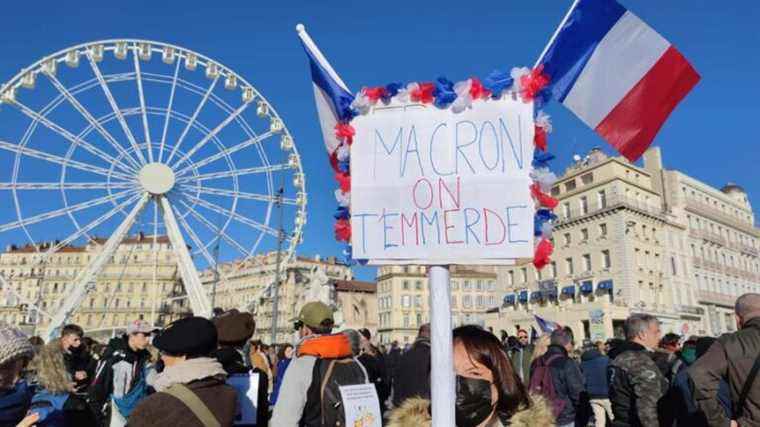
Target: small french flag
[(616, 73), (547, 326), (332, 96)]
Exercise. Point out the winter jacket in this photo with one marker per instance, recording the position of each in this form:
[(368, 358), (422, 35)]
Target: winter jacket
[(681, 398), (378, 374), (636, 387), (415, 412), (162, 409), (118, 372), (594, 366), (730, 357), (293, 400), (62, 410), (413, 373), (14, 403), (521, 358), (568, 381), (282, 366), (79, 360)]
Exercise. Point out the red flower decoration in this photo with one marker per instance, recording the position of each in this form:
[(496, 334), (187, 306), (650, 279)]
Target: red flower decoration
[(477, 91), (345, 132), (334, 161), (343, 230), (543, 253), (375, 94), (542, 198), (423, 93), (344, 181), (532, 83), (539, 138)]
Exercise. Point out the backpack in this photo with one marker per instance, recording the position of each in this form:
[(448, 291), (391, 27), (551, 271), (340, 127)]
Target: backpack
[(542, 383), (324, 403)]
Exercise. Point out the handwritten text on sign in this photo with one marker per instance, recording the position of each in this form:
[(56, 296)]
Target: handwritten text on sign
[(432, 186)]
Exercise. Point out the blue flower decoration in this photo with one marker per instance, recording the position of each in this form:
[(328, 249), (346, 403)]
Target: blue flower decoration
[(342, 213), (542, 216), (541, 159), (344, 166), (391, 90), (444, 92), (497, 82), (542, 98)]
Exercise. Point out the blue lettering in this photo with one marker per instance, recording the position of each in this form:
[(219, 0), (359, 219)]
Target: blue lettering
[(432, 158), (510, 224), (412, 134), (459, 147), (468, 225), (433, 219), (496, 145)]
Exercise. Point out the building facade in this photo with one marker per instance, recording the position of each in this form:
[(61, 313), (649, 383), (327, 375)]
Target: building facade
[(718, 251), (356, 304), (249, 285), (403, 299), (622, 246), (135, 284)]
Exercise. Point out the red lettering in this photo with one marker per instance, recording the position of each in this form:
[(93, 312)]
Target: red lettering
[(486, 211), (455, 198), (430, 191)]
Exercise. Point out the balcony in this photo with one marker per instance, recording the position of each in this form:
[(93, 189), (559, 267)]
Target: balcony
[(710, 211), (708, 236), (612, 202)]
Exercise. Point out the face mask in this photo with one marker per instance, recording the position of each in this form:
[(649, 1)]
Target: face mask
[(473, 401), (689, 355)]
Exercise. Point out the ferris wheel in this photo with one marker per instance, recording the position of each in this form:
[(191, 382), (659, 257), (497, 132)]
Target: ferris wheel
[(106, 138)]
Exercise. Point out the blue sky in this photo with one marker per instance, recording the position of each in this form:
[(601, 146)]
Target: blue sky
[(711, 135)]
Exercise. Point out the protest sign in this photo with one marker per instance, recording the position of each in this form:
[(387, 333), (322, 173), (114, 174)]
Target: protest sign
[(247, 387), (361, 405), (431, 186)]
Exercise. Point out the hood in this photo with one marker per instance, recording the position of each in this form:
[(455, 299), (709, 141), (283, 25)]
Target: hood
[(188, 371), (416, 412), (591, 355), (556, 349)]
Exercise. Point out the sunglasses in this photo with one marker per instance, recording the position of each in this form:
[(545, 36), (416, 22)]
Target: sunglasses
[(297, 325), (523, 337)]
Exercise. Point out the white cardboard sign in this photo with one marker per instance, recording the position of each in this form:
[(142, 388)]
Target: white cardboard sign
[(361, 405), (247, 387), (430, 186)]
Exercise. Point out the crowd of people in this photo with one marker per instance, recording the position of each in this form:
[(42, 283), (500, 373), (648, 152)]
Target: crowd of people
[(188, 374)]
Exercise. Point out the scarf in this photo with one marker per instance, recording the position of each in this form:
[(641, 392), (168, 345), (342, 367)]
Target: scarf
[(188, 371)]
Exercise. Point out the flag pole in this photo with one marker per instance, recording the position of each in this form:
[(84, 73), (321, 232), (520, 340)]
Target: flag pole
[(442, 387), (309, 43), (556, 32)]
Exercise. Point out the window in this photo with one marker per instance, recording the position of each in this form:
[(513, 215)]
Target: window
[(570, 185), (419, 319), (587, 178), (587, 262), (405, 285), (511, 278), (406, 301), (584, 205), (569, 265), (467, 285), (467, 301), (524, 274), (479, 301), (568, 239), (601, 198), (555, 191), (603, 230), (606, 260), (491, 285), (454, 285), (479, 285), (406, 321), (566, 210), (418, 301), (584, 234), (553, 269), (418, 285), (673, 269)]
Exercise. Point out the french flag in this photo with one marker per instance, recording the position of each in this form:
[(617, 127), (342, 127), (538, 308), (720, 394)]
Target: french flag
[(547, 326), (616, 73), (332, 96)]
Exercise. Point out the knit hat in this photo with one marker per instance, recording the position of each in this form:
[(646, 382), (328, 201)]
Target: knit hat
[(234, 328), (14, 344), (314, 313), (191, 336)]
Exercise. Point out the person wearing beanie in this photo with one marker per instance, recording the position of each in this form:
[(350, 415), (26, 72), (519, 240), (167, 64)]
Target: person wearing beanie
[(123, 375), (15, 393), (191, 390), (309, 395), (234, 329)]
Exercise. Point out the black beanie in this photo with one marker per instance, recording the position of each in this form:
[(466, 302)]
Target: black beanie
[(191, 337)]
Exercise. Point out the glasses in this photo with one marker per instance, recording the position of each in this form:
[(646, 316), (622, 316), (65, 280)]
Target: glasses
[(297, 325), (523, 337)]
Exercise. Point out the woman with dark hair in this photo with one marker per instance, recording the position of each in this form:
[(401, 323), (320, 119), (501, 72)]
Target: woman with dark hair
[(489, 393), (284, 356)]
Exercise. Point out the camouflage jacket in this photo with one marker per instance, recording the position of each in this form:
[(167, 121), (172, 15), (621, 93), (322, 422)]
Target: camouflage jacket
[(636, 386)]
